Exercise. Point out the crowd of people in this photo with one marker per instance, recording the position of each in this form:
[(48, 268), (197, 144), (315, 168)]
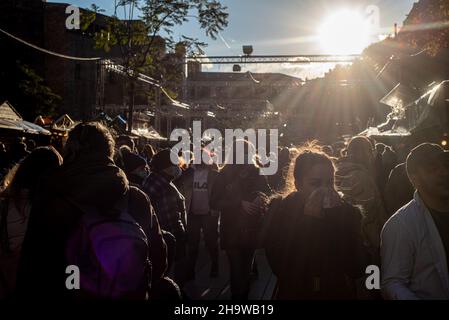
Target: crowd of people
[(132, 220)]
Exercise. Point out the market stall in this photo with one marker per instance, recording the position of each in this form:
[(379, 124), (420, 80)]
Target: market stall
[(13, 126)]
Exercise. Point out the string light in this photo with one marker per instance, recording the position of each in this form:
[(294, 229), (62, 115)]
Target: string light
[(59, 55)]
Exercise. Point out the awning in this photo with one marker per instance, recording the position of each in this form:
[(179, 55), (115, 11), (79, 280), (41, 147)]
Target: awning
[(23, 126), (400, 97), (7, 111), (63, 123), (9, 125), (10, 119)]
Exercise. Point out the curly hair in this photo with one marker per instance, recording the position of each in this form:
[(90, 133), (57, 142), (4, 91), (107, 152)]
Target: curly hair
[(304, 157), (29, 172), (91, 138)]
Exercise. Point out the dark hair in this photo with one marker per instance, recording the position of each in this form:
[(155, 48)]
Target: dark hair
[(28, 173), (356, 150), (306, 156), (125, 140), (89, 138)]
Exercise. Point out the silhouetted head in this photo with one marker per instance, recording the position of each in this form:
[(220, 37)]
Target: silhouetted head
[(125, 140), (89, 139), (360, 151), (428, 170), (162, 163), (313, 170), (28, 172), (149, 151)]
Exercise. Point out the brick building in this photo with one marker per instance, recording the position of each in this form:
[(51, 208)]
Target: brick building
[(253, 99), (84, 86)]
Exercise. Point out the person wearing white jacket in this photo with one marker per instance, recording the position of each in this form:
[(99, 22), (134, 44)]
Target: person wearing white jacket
[(415, 241)]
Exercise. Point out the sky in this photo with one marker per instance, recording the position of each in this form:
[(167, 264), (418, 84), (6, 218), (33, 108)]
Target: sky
[(278, 27)]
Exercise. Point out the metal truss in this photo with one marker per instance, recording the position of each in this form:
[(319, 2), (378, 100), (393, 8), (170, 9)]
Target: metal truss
[(274, 59)]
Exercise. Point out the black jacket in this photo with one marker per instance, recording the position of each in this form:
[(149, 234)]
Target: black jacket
[(314, 258), (93, 182), (237, 183)]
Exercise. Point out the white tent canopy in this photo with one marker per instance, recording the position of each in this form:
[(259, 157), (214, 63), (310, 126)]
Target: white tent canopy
[(10, 119)]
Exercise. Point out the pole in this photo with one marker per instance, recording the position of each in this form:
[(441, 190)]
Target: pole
[(131, 106)]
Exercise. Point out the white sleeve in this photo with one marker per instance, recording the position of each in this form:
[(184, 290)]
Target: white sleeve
[(397, 256)]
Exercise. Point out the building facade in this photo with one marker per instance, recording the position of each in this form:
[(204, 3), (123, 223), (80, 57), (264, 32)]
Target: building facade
[(238, 100)]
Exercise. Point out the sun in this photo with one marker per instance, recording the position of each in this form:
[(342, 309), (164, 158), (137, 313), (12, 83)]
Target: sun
[(344, 32)]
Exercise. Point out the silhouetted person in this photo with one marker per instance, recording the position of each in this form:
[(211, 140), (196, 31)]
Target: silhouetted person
[(19, 189), (196, 184), (314, 244), (238, 194), (135, 167), (17, 151), (87, 183), (356, 179), (169, 205), (148, 152), (415, 241), (398, 190)]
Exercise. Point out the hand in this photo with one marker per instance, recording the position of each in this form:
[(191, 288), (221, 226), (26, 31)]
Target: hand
[(314, 204), (331, 199)]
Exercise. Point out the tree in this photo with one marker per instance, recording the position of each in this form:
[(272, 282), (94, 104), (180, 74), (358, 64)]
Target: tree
[(139, 41), (27, 91), (426, 27)]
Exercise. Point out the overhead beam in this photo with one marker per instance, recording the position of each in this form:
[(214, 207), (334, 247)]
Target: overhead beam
[(299, 59)]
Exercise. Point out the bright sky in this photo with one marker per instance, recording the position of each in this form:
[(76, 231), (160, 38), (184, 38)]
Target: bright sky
[(294, 27)]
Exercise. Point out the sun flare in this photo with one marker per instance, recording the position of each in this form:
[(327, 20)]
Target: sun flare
[(345, 32)]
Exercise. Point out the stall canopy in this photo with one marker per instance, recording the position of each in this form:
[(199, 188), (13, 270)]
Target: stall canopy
[(432, 109), (10, 119), (63, 123), (411, 115), (400, 97)]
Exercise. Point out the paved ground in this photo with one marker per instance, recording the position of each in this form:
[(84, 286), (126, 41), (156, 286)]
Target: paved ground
[(205, 288)]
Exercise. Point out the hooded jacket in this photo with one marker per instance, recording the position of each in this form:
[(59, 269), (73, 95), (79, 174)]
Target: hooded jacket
[(92, 182)]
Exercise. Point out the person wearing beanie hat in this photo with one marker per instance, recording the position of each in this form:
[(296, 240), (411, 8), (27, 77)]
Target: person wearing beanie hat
[(169, 204), (162, 163), (415, 241), (135, 168)]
